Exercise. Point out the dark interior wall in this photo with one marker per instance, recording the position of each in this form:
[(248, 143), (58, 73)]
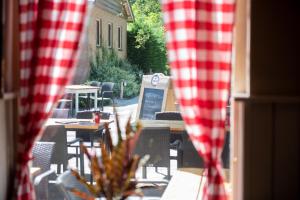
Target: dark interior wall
[(268, 122), (275, 55), (271, 150)]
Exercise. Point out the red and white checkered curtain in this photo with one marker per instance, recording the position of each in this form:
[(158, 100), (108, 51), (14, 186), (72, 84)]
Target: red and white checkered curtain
[(50, 32), (199, 42)]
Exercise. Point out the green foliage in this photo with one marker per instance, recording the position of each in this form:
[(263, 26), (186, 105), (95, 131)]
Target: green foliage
[(107, 67), (146, 41)]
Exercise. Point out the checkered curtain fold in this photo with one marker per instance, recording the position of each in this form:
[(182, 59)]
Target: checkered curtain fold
[(199, 42), (50, 32)]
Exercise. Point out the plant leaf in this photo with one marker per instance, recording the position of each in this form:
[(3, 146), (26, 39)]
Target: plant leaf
[(81, 195)]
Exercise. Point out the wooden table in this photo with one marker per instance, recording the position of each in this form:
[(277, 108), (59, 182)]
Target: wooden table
[(90, 128), (82, 89), (175, 126), (74, 123)]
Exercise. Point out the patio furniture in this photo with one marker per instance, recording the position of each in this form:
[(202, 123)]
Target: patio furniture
[(85, 114), (82, 89), (106, 93), (67, 181), (42, 153), (168, 116), (192, 159), (61, 113), (87, 97), (175, 138), (87, 131), (226, 151), (155, 142), (190, 156), (58, 134), (85, 134)]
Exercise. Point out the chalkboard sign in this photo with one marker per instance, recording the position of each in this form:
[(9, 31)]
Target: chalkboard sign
[(152, 102)]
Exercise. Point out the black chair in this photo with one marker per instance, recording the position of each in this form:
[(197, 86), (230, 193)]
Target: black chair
[(91, 137), (106, 93), (58, 134), (95, 83), (85, 114), (175, 139), (66, 181), (87, 135), (155, 142), (190, 156), (226, 151), (42, 153), (187, 155), (168, 116)]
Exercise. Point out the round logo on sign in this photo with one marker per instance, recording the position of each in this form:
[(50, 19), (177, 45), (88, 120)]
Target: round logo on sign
[(155, 80)]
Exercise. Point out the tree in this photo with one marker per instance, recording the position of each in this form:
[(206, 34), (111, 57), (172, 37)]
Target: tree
[(108, 67), (146, 40)]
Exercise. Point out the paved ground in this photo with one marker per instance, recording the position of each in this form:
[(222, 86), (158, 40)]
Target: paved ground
[(126, 102)]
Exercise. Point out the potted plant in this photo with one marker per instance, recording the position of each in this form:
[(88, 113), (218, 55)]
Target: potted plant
[(113, 171)]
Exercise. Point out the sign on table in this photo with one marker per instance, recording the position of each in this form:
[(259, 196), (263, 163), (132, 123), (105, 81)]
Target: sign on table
[(156, 95), (151, 103)]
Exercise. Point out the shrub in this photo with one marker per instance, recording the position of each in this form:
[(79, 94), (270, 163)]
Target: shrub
[(107, 67)]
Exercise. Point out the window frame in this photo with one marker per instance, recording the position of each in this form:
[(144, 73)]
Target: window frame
[(120, 38), (9, 93), (110, 35), (98, 32)]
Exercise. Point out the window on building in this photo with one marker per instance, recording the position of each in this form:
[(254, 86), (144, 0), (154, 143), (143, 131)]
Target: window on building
[(110, 35), (98, 32), (120, 38)]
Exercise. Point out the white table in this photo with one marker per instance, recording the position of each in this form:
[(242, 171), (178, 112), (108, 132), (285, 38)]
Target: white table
[(183, 185), (82, 89), (188, 183)]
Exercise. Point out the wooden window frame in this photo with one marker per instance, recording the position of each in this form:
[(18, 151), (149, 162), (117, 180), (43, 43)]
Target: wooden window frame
[(9, 92)]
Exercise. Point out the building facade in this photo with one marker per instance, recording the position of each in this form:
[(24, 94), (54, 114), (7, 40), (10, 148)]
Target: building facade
[(108, 26)]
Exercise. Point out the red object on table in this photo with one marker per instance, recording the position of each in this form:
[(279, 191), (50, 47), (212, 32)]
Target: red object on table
[(97, 118)]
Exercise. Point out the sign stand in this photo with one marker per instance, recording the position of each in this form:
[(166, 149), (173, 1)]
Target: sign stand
[(155, 96)]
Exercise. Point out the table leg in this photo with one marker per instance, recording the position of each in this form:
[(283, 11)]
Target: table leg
[(95, 101), (81, 155), (71, 106)]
